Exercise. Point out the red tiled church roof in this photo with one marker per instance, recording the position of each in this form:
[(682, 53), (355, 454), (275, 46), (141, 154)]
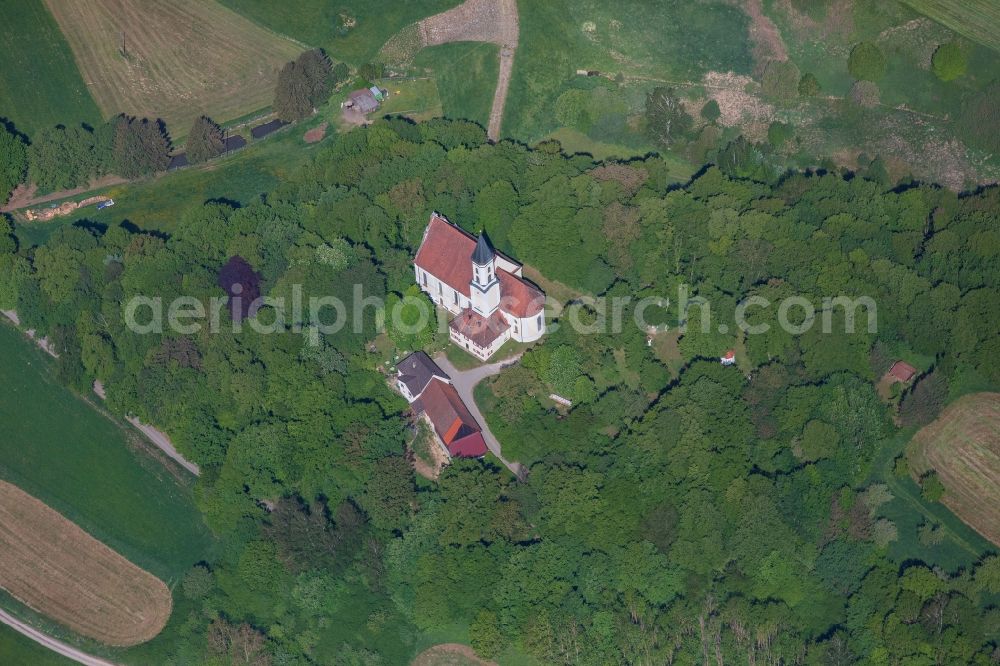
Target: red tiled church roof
[(446, 253), (451, 419), (518, 297)]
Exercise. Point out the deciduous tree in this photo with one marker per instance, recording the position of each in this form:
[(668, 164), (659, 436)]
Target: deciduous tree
[(13, 162), (667, 122)]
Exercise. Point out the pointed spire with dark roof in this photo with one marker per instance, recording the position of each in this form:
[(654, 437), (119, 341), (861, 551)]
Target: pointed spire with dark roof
[(483, 253)]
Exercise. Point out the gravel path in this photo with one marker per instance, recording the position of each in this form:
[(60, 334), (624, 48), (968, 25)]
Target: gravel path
[(163, 443), (53, 644), (24, 195), (465, 382), (157, 437), (500, 94)]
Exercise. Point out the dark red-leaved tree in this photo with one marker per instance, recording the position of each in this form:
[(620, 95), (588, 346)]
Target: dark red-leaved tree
[(242, 284)]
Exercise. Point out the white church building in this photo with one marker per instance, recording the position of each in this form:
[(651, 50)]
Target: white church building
[(485, 290)]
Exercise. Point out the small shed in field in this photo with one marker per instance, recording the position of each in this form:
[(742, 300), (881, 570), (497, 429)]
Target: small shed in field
[(366, 100), (901, 371)]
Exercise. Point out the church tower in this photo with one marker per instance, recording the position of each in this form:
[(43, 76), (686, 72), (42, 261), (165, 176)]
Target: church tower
[(485, 287)]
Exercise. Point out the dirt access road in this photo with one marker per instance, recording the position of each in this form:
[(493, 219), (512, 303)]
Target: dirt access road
[(493, 21), (53, 644), (500, 94)]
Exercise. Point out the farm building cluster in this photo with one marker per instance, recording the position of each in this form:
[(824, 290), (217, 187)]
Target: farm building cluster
[(430, 392), (366, 100)]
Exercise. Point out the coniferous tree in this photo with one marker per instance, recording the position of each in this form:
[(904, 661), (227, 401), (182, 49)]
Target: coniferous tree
[(303, 84), (924, 401), (291, 97), (204, 141), (141, 147), (316, 69)]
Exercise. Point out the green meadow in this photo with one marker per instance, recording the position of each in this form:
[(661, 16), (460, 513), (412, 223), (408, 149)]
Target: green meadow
[(641, 43), (92, 469), (329, 24), (17, 649), (466, 74), (39, 82), (978, 20)]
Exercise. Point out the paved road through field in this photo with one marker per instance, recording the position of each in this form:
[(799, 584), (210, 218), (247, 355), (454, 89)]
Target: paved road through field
[(53, 644)]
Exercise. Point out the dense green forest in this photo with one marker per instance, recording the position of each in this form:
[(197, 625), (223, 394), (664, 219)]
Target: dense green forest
[(686, 513)]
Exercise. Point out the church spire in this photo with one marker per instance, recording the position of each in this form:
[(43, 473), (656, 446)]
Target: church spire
[(483, 253)]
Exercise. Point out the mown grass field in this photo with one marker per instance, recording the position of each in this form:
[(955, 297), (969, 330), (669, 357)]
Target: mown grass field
[(183, 58), (466, 74), (40, 85), (17, 649), (415, 98), (90, 468), (979, 20), (963, 446), (961, 546), (56, 568), (449, 654), (326, 24)]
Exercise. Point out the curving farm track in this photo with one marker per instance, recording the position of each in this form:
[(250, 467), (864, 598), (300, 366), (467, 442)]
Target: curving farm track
[(492, 21), (53, 644)]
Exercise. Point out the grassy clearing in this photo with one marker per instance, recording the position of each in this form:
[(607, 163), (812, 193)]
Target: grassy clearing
[(18, 649), (53, 566), (183, 58), (40, 85), (963, 446), (90, 468), (961, 545), (979, 20), (665, 40), (575, 141), (351, 30), (158, 203), (466, 74), (417, 99)]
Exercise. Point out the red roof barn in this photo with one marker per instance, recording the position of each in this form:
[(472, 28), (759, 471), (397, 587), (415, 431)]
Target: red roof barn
[(451, 419), (902, 371)]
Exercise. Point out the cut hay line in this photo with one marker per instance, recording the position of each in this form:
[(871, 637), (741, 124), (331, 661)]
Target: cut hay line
[(963, 446), (55, 568), (183, 58), (979, 20)]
